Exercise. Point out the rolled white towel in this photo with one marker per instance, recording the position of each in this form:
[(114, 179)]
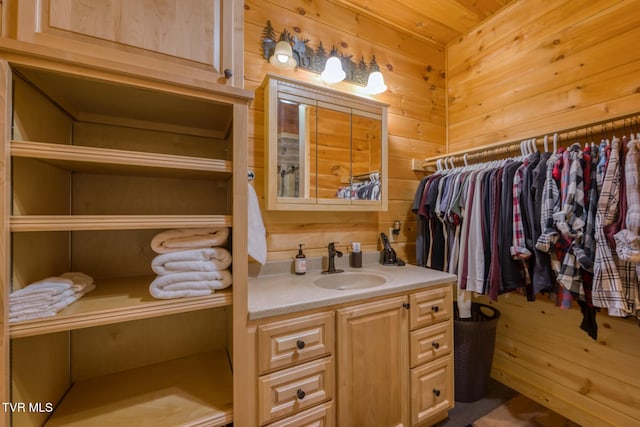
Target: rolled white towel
[(188, 238), (189, 284), (209, 259)]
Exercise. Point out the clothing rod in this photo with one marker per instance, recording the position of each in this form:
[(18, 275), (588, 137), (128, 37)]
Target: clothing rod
[(617, 123)]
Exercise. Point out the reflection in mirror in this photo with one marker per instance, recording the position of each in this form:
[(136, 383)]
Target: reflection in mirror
[(296, 134), (334, 151), (324, 149)]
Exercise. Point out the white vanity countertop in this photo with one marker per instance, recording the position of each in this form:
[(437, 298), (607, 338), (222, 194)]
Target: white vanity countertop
[(274, 292)]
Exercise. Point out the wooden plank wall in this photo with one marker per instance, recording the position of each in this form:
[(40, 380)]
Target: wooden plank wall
[(416, 96), (534, 68)]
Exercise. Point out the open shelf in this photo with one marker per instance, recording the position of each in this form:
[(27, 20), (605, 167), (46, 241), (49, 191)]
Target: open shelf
[(115, 301), (90, 159), (191, 391), (115, 222)]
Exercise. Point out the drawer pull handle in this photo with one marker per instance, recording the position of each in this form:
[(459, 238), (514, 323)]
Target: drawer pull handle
[(406, 305), (435, 345), (436, 392), (301, 394), (435, 308), (300, 344)]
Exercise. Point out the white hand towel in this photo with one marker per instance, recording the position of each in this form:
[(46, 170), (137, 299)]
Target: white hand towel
[(49, 286), (39, 303), (189, 284), (257, 239), (188, 238), (209, 259)]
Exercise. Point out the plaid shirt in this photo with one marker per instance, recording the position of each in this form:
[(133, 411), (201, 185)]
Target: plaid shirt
[(571, 222), (608, 289), (519, 249)]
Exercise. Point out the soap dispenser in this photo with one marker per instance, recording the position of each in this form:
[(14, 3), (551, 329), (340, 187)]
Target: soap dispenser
[(301, 262)]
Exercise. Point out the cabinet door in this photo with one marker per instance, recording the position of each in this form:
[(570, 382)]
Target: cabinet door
[(373, 366), (431, 391), (177, 34)]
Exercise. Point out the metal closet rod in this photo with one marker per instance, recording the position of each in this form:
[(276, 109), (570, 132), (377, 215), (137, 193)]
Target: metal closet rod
[(490, 150)]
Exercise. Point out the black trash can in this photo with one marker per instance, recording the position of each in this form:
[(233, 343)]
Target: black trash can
[(474, 340)]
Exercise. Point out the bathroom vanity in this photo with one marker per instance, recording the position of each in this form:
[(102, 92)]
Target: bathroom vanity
[(370, 344)]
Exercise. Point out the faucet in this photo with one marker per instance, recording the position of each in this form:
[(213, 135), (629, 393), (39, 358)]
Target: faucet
[(332, 263)]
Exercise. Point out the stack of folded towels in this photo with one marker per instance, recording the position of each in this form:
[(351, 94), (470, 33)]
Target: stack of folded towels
[(191, 262), (47, 297)]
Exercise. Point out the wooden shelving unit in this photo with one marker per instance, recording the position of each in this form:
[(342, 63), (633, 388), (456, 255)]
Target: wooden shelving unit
[(24, 223), (191, 391), (114, 301)]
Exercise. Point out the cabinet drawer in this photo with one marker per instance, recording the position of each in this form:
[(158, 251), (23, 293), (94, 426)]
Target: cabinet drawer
[(292, 390), (431, 390), (430, 306), (318, 416), (288, 342), (427, 344)]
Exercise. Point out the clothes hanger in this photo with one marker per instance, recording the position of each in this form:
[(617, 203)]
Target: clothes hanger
[(546, 143), (555, 143)]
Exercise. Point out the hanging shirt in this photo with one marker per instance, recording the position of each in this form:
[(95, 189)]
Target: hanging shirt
[(607, 285)]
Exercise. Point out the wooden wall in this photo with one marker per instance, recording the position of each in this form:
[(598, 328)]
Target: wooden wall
[(534, 68), (414, 73)]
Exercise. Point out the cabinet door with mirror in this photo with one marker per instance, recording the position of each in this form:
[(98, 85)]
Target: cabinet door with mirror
[(324, 149)]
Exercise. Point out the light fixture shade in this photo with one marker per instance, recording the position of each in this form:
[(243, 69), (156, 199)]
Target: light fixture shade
[(283, 56), (333, 72), (375, 84)]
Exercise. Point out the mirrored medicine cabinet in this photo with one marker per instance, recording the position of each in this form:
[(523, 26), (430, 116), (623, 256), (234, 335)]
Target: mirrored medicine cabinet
[(324, 149)]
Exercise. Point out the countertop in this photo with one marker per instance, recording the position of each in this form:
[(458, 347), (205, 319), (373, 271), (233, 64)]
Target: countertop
[(275, 290)]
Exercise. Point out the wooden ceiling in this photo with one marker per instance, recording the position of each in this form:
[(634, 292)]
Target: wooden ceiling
[(439, 21)]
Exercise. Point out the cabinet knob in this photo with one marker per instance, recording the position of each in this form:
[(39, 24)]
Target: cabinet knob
[(436, 392), (300, 344), (228, 73), (435, 309), (435, 345), (406, 305), (301, 394)]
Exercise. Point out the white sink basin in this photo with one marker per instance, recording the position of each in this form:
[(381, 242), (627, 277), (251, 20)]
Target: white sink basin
[(350, 280)]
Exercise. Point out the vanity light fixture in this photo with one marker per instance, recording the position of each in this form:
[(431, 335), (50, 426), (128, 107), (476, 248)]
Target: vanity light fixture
[(333, 72), (283, 56), (375, 84)]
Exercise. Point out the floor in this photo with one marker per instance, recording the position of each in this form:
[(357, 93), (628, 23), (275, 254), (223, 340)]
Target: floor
[(503, 407)]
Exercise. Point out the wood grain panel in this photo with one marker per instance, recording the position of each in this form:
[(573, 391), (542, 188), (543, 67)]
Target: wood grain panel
[(416, 99), (536, 68)]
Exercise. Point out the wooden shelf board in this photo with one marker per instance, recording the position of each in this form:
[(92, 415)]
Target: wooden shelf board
[(114, 222), (115, 301), (105, 160), (191, 391)]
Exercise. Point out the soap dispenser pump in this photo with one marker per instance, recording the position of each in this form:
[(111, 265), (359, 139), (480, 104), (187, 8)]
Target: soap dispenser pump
[(300, 262)]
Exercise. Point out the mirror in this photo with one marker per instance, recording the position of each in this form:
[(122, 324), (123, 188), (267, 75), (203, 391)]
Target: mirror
[(324, 149)]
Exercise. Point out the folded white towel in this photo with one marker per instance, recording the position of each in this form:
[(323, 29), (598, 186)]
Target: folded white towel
[(189, 284), (48, 286), (257, 234), (188, 238), (47, 297), (209, 259)]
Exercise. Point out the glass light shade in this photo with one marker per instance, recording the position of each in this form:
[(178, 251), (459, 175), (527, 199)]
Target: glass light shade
[(375, 84), (283, 56), (333, 72)]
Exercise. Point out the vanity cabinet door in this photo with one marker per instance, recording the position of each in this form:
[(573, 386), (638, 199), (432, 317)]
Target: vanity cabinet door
[(373, 364), (172, 37)]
